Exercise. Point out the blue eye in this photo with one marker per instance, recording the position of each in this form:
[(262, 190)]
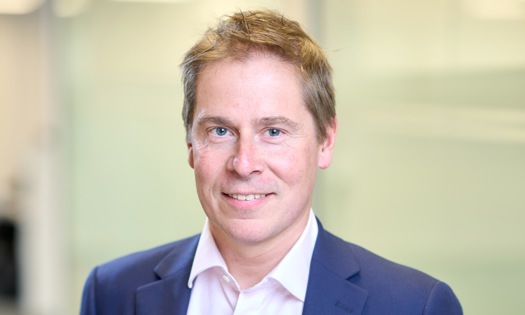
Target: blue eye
[(220, 131), (274, 132)]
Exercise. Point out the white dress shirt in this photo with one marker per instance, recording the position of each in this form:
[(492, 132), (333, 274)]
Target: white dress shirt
[(282, 291)]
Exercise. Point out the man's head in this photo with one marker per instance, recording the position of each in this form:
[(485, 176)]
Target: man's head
[(260, 123), (238, 36)]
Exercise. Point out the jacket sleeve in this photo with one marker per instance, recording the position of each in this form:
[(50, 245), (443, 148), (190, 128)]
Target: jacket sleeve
[(88, 306), (442, 301)]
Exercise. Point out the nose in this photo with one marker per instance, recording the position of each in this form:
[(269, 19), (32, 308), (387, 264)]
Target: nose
[(246, 159)]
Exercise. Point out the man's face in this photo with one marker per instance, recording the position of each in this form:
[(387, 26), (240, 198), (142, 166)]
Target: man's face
[(254, 151)]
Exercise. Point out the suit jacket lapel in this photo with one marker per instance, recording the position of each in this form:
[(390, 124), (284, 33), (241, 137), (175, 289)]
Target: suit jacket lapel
[(330, 290), (170, 294)]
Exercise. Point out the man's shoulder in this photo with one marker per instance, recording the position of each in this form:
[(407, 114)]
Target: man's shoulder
[(388, 285), (142, 264), (111, 287), (374, 266)]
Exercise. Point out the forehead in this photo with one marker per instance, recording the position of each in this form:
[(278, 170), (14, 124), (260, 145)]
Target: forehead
[(257, 80)]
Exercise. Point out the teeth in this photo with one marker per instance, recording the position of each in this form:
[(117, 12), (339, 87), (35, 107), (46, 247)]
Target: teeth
[(247, 197)]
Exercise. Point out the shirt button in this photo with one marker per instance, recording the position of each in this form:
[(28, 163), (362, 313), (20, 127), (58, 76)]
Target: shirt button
[(226, 278)]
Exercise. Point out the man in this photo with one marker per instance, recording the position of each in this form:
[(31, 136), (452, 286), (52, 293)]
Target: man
[(259, 112)]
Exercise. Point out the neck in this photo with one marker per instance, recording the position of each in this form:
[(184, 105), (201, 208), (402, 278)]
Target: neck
[(249, 263)]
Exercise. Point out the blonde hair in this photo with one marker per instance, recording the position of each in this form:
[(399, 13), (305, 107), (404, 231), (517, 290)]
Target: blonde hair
[(239, 35)]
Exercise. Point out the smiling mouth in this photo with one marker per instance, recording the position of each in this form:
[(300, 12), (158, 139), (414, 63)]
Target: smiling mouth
[(247, 197)]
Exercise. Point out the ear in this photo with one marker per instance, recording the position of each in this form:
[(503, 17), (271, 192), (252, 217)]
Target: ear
[(190, 154), (327, 147)]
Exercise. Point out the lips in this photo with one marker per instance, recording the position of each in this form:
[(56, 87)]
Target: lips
[(247, 197)]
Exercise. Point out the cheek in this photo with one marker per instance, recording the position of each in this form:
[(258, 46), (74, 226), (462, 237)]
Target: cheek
[(208, 164), (296, 166), (202, 164)]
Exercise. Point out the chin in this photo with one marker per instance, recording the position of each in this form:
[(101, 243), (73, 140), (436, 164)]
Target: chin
[(248, 233)]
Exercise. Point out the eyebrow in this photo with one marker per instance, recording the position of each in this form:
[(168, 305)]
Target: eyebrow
[(278, 120), (218, 120), (265, 121)]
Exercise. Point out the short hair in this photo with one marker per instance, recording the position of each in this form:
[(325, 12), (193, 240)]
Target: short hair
[(237, 36)]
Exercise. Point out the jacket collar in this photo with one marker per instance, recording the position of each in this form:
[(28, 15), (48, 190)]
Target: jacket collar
[(330, 290), (170, 294)]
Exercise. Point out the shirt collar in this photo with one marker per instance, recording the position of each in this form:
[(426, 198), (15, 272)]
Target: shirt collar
[(292, 272), (207, 255)]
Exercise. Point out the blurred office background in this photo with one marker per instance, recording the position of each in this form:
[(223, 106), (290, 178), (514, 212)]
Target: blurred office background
[(429, 168)]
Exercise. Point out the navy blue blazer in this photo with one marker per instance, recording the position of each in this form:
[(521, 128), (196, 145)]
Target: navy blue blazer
[(344, 279)]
